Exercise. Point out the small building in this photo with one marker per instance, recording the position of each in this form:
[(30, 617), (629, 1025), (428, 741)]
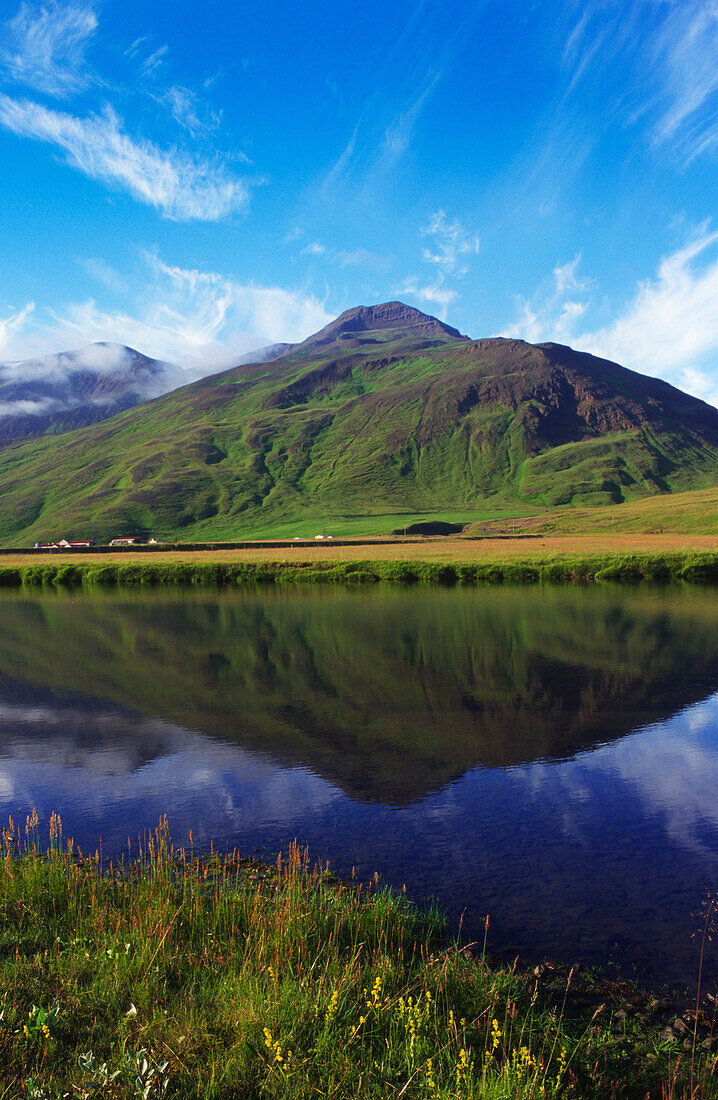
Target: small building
[(128, 540), (76, 544), (46, 546)]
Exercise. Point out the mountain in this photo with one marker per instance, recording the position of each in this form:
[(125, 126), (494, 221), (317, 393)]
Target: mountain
[(74, 388), (391, 322), (385, 411), (263, 355)]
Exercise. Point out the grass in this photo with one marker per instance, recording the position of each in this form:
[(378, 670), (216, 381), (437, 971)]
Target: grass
[(180, 975), (693, 512), (327, 567)]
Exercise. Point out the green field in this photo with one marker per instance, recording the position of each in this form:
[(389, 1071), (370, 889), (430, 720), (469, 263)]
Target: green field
[(693, 513)]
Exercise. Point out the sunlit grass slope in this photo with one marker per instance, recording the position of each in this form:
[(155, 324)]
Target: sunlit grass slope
[(690, 513), (384, 423)]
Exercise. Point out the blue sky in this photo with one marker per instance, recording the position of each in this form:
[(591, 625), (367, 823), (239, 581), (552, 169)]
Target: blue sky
[(198, 179)]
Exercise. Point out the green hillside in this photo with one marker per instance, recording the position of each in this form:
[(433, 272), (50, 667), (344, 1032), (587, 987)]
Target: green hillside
[(690, 513), (386, 411)]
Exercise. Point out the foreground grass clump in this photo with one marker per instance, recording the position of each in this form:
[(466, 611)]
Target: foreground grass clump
[(215, 977)]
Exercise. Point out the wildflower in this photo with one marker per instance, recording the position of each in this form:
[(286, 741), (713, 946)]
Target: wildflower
[(463, 1068), (332, 1007)]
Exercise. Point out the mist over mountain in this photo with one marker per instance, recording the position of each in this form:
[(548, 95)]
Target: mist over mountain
[(58, 392), (384, 411)]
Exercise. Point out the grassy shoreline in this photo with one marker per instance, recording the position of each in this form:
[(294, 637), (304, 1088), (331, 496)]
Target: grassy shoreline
[(692, 566), (180, 975)]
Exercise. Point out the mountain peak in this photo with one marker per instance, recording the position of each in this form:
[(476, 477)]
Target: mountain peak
[(395, 318)]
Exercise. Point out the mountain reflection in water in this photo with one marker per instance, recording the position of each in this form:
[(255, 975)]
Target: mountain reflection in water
[(549, 756)]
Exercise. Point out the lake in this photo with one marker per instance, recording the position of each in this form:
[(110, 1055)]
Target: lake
[(544, 755)]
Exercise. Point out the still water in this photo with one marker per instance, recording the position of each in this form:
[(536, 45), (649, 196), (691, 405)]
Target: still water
[(548, 756)]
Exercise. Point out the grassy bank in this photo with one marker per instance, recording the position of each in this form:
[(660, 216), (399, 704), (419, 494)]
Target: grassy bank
[(180, 976), (684, 566)]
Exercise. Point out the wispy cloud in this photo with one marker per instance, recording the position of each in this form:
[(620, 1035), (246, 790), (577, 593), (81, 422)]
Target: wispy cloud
[(451, 245), (181, 187), (201, 320), (47, 384), (352, 257), (44, 47), (189, 111), (363, 257), (436, 295), (669, 328), (686, 55), (399, 132), (104, 273), (406, 77), (451, 242), (671, 325), (152, 63), (552, 313), (656, 62), (13, 324)]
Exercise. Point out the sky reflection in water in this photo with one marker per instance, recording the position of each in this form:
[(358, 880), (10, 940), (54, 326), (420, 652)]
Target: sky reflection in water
[(600, 845)]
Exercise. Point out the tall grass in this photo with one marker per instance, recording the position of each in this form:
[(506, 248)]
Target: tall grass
[(180, 975)]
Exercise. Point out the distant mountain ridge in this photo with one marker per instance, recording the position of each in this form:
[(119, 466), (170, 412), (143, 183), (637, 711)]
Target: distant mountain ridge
[(385, 411), (60, 392)]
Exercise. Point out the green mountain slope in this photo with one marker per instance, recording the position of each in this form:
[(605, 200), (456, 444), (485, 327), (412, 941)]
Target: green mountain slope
[(385, 411)]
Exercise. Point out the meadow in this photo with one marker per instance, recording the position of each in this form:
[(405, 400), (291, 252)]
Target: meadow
[(690, 513), (180, 975), (445, 561)]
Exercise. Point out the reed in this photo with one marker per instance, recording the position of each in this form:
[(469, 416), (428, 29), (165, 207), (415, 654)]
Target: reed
[(185, 975)]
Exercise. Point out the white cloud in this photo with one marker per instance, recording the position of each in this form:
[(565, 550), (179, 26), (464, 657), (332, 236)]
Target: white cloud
[(104, 273), (13, 324), (362, 257), (451, 242), (435, 294), (669, 328), (154, 61), (566, 278), (400, 130), (189, 112), (26, 408), (551, 314), (354, 257), (201, 320), (44, 47), (658, 62), (134, 48), (53, 377), (182, 188), (686, 57)]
